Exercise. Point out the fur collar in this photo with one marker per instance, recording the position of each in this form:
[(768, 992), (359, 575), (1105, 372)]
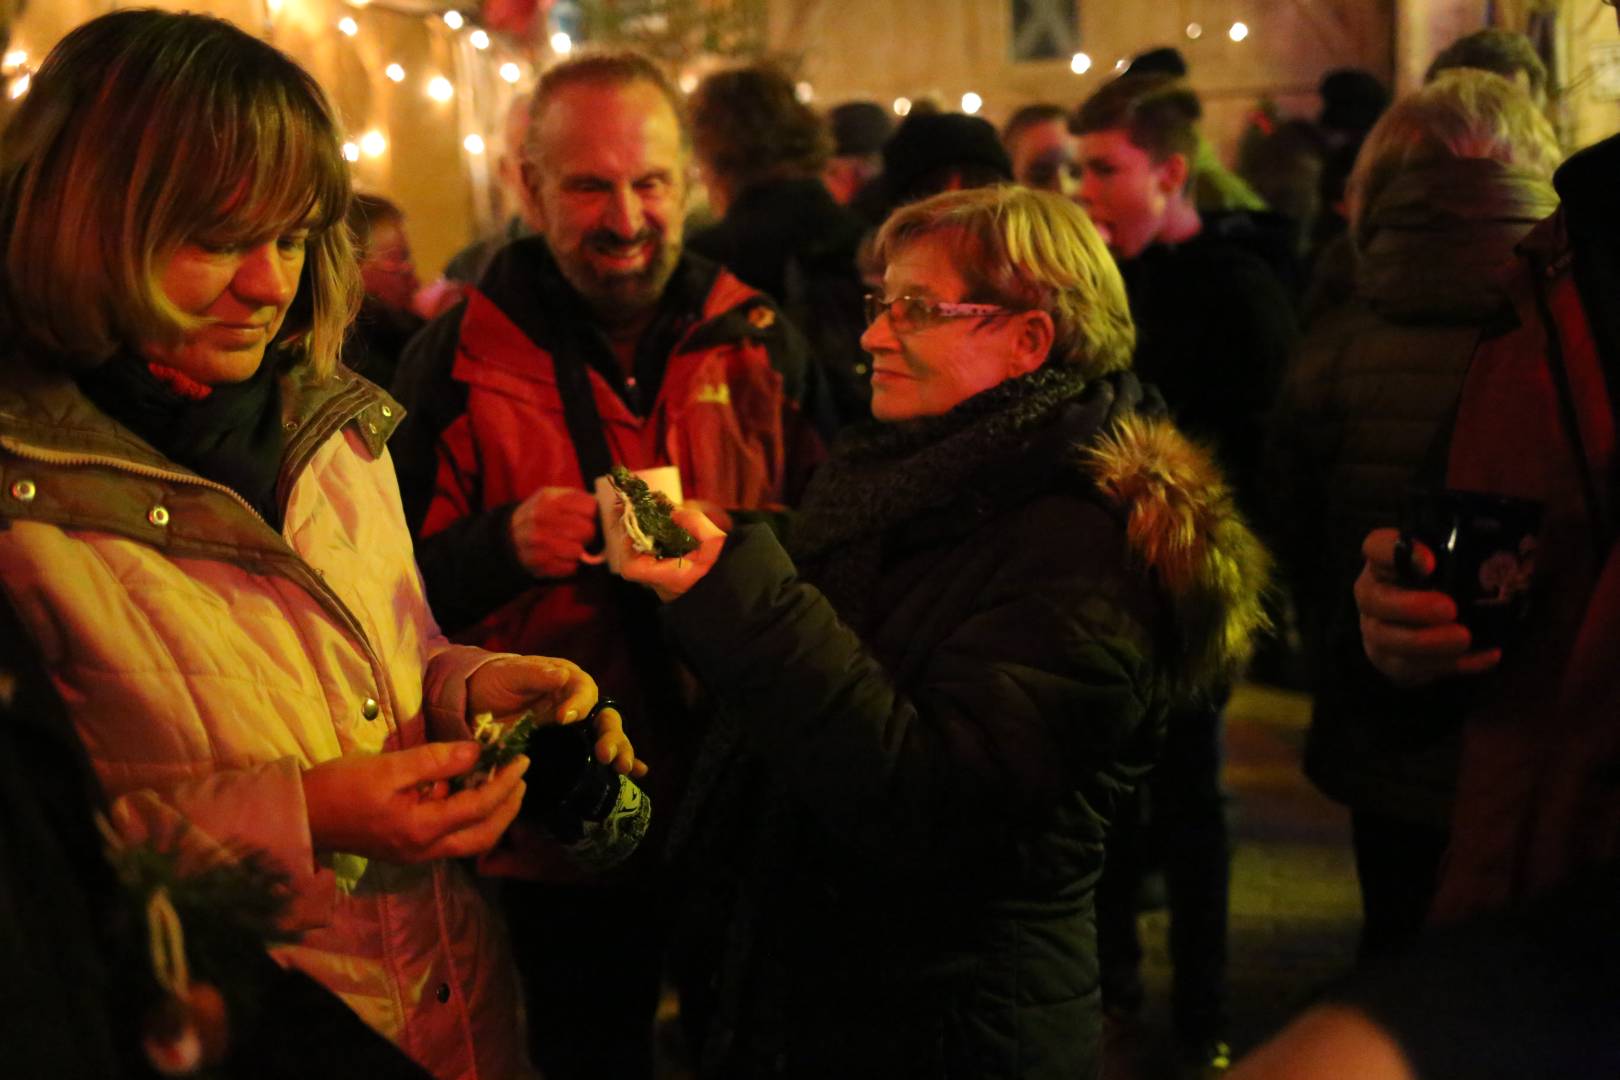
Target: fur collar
[(1038, 433), (1182, 524)]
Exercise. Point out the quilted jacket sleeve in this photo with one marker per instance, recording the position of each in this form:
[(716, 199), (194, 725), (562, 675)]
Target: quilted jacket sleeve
[(1028, 696), (228, 811)]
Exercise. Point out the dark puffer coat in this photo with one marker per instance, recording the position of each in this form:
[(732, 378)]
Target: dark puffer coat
[(897, 823), (1360, 409)]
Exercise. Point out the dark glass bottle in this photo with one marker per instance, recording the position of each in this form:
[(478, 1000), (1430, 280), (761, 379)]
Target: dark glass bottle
[(597, 814)]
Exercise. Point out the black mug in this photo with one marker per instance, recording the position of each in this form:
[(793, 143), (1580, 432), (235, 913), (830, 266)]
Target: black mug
[(1484, 550)]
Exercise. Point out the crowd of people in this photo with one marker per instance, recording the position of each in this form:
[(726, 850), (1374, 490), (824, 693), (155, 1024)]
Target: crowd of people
[(1001, 454)]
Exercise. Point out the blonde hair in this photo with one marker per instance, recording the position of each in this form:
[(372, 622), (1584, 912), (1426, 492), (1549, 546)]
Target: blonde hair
[(1029, 250), (1464, 113), (143, 131)]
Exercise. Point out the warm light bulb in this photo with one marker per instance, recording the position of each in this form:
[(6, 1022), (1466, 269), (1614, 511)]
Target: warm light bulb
[(689, 82), (19, 86), (348, 26), (1119, 65), (561, 43), (453, 20), (971, 102), (474, 144), (479, 39), (804, 92), (439, 88), (14, 59), (1238, 32), (902, 106), (372, 143), (1195, 30), (351, 151), (511, 72), (1080, 63), (272, 7), (395, 72)]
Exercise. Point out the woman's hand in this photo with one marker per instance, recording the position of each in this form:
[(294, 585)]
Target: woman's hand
[(391, 806), (557, 691), (670, 578), (1411, 635)]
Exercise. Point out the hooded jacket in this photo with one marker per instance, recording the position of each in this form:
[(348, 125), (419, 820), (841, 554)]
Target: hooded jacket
[(1363, 404), (1538, 793), (206, 660), (896, 826)]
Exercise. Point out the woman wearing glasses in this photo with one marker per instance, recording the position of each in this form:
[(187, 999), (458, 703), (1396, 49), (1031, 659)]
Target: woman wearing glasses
[(930, 706)]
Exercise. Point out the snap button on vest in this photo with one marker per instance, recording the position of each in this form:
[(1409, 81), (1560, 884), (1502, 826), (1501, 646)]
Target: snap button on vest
[(442, 993), (369, 708), (386, 411), (158, 516), (24, 491)]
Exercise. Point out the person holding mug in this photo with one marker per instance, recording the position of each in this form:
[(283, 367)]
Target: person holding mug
[(932, 698), (203, 535)]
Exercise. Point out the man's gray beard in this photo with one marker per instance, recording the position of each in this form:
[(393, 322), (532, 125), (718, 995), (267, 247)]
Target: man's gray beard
[(623, 299)]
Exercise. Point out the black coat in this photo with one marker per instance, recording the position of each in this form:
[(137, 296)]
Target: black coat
[(1361, 408), (897, 827)]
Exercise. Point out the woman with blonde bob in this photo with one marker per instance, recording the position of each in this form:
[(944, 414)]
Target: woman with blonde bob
[(203, 533), (1447, 183), (929, 707)]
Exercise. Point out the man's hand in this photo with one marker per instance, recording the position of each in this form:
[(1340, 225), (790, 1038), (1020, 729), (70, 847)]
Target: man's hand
[(1411, 635), (670, 578), (393, 806), (557, 691), (613, 746), (550, 530)]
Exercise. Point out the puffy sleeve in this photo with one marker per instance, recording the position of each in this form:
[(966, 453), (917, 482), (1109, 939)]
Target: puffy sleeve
[(1024, 685)]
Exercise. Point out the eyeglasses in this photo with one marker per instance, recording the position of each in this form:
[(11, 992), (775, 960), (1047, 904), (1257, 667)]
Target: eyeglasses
[(913, 312)]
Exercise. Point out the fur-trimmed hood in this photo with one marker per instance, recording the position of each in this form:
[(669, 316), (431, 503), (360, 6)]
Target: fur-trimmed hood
[(1182, 523)]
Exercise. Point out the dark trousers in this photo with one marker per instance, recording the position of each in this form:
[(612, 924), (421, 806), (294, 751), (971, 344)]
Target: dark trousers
[(591, 961), (1185, 823), (1398, 866)]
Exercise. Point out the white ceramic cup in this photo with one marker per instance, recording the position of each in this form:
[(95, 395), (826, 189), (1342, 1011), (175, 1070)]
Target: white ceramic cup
[(665, 478)]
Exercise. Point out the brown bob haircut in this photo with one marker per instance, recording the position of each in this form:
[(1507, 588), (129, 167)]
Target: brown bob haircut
[(749, 125), (1158, 113), (144, 131)]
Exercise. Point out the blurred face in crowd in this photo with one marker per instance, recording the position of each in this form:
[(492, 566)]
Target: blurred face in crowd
[(1128, 195), (610, 193), (240, 292), (925, 364), (388, 270), (1045, 156)]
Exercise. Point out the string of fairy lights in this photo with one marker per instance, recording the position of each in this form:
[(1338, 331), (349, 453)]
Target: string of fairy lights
[(346, 19), (1080, 63), (510, 67)]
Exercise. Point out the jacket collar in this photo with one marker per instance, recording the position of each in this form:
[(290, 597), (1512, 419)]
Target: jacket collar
[(47, 425)]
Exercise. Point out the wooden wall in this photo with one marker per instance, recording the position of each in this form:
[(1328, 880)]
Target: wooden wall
[(883, 49)]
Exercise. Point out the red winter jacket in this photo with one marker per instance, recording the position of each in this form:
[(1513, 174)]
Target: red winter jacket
[(486, 429), (1539, 790)]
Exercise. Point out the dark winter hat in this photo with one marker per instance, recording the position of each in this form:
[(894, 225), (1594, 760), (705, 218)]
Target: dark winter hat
[(1161, 61), (929, 145), (859, 127), (1352, 99)]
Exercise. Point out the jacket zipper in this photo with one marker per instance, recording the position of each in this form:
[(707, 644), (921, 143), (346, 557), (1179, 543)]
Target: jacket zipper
[(312, 579)]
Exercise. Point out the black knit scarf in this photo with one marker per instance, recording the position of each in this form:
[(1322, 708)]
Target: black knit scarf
[(983, 451), (232, 437)]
